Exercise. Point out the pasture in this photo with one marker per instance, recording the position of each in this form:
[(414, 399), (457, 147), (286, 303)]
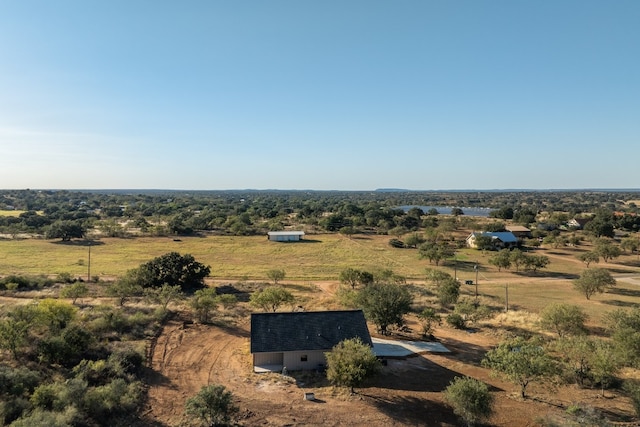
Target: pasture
[(321, 258)]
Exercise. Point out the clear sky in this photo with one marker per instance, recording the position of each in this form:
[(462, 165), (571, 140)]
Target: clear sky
[(324, 95)]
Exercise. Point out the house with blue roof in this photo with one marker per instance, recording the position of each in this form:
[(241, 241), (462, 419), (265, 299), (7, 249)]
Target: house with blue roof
[(500, 239)]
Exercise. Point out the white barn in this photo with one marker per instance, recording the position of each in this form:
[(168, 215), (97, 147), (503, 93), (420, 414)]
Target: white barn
[(285, 236)]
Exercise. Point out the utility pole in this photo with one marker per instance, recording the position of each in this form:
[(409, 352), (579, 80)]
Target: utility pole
[(506, 296), (475, 267), (89, 265)]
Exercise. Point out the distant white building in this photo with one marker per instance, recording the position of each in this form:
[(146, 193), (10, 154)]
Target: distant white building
[(285, 236)]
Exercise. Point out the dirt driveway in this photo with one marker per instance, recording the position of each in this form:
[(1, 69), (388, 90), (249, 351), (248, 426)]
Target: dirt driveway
[(408, 392)]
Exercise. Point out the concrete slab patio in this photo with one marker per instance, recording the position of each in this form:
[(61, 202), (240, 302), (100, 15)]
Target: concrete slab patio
[(394, 348)]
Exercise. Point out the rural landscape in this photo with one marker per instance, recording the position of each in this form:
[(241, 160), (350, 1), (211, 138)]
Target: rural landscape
[(134, 308)]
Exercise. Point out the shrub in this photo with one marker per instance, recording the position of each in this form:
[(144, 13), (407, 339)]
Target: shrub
[(456, 321), (470, 399), (632, 388), (213, 405), (397, 243)]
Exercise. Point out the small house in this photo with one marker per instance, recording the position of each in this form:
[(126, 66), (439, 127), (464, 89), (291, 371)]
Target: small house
[(285, 236), (499, 239), (298, 340), (578, 223)]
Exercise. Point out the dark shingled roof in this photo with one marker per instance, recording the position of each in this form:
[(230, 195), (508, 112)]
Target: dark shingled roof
[(306, 330)]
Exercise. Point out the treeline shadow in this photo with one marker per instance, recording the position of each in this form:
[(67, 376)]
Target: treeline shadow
[(624, 292), (80, 243), (547, 274), (630, 263), (241, 296), (619, 303)]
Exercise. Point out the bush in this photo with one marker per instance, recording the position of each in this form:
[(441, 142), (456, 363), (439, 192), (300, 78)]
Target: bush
[(632, 388), (25, 283), (213, 405), (17, 381), (43, 418), (456, 321), (470, 399), (397, 243)]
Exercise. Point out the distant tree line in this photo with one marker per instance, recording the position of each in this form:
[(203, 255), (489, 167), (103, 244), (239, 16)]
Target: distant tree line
[(72, 214)]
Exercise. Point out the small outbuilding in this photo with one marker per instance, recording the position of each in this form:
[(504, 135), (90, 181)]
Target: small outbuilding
[(285, 236), (520, 231), (298, 340)]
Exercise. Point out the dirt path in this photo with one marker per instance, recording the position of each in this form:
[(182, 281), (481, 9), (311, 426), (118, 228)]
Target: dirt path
[(186, 357)]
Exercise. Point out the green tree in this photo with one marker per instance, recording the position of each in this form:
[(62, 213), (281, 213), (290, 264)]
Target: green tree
[(535, 262), (575, 353), (398, 231), (56, 315), (517, 258), (212, 406), (601, 225), (501, 260), (385, 304), (74, 291), (563, 319), (164, 295), (66, 230), (483, 242), (631, 244), (589, 257), (632, 388), (470, 399), (276, 275), (173, 269), (203, 302), (414, 240), (435, 251), (520, 362), (604, 364), (606, 249), (447, 288), (271, 298), (429, 318), (350, 362), (624, 327), (125, 288), (348, 231), (350, 276), (594, 280), (13, 335), (471, 311)]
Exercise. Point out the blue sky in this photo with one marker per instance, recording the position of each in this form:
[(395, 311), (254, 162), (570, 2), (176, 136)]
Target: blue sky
[(324, 95)]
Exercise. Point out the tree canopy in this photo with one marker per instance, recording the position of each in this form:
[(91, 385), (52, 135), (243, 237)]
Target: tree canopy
[(594, 280), (173, 269), (350, 362), (385, 304), (271, 298), (520, 361)]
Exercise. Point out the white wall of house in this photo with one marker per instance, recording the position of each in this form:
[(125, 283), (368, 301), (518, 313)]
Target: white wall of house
[(292, 360)]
